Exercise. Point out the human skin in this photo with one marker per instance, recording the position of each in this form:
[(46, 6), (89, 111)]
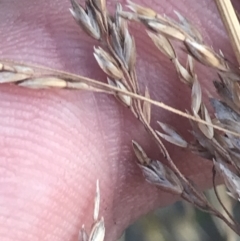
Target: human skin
[(54, 144)]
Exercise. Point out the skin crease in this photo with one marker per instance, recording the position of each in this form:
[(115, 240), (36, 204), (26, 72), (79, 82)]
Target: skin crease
[(54, 144)]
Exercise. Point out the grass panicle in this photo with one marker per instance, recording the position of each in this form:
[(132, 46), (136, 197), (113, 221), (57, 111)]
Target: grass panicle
[(216, 138)]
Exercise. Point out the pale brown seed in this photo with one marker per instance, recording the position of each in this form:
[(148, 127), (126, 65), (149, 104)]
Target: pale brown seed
[(163, 44), (140, 154), (196, 96), (205, 55), (100, 19), (172, 137), (83, 86), (147, 12), (129, 16), (147, 107), (183, 74), (129, 50), (6, 67), (98, 231), (107, 63), (190, 65), (14, 73), (44, 82), (207, 130), (124, 99), (169, 31), (86, 20), (20, 69), (100, 5), (127, 100), (8, 77), (208, 120), (173, 140)]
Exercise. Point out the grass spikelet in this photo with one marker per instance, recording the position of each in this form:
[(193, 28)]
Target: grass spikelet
[(97, 232)]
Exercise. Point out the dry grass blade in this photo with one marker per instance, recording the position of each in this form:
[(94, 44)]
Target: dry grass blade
[(230, 20)]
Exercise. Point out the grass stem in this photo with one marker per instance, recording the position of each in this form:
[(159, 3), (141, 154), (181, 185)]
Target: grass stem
[(231, 23)]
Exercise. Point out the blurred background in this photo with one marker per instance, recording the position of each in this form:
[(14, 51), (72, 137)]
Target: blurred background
[(182, 222)]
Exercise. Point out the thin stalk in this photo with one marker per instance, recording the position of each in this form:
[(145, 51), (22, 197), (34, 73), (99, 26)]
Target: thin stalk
[(231, 23), (102, 87)]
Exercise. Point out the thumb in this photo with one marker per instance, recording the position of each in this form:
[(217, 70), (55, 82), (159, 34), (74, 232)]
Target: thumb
[(55, 144)]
